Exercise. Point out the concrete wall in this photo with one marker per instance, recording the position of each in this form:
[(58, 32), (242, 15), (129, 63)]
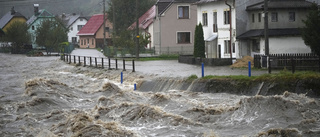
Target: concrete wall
[(287, 45)]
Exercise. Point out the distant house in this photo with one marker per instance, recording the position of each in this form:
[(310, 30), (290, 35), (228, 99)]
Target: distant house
[(91, 35), (9, 18), (284, 19), (146, 24), (214, 16), (74, 23), (174, 26), (35, 21)]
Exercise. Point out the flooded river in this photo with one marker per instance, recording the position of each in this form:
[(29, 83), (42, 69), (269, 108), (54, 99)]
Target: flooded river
[(45, 97)]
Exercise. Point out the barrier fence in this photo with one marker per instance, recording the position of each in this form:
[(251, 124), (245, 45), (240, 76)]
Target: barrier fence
[(301, 61), (99, 62)]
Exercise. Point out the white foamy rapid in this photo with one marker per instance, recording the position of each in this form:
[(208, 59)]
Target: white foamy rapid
[(43, 96)]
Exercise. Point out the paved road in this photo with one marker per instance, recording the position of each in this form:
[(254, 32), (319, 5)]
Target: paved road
[(172, 68)]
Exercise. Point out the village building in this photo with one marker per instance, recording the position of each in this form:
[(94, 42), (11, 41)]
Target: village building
[(91, 35), (284, 23), (9, 18), (146, 26), (74, 23), (174, 26), (217, 20), (35, 22)]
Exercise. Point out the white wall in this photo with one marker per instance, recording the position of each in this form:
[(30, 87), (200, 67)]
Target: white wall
[(223, 29)]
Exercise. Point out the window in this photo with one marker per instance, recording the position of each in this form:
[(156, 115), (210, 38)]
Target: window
[(74, 39), (183, 37), (92, 41), (80, 27), (82, 42), (255, 45), (227, 47), (259, 17), (88, 41), (292, 16), (205, 19), (252, 18), (226, 17), (183, 12), (32, 27), (107, 29), (215, 25), (274, 17), (81, 19), (71, 28)]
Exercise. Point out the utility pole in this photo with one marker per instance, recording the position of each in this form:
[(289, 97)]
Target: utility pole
[(104, 23), (114, 27), (137, 29), (266, 31)]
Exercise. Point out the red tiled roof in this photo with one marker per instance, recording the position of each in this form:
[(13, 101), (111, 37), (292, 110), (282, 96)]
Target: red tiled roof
[(146, 19), (92, 25)]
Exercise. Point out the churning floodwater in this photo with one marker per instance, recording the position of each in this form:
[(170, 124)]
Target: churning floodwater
[(45, 97)]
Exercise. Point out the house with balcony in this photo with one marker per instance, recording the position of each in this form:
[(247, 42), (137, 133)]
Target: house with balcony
[(174, 26), (218, 18), (284, 23), (91, 35)]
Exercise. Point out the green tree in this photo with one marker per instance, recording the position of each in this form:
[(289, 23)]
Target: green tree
[(311, 30), (199, 44), (18, 34), (50, 34), (124, 12)]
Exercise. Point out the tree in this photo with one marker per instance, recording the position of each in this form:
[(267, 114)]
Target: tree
[(199, 44), (50, 34), (18, 34), (311, 31), (124, 12)]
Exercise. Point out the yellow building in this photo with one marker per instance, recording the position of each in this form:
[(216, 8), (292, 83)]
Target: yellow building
[(9, 18)]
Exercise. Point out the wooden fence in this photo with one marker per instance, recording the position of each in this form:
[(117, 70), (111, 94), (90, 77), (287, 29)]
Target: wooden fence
[(99, 62), (299, 61)]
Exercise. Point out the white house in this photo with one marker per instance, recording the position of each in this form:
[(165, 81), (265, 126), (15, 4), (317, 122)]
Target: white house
[(74, 23), (214, 15)]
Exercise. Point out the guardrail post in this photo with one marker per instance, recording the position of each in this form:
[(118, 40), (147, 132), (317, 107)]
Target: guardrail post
[(121, 77), (69, 59), (124, 65), (293, 65), (135, 87), (84, 61), (202, 68), (102, 62), (90, 61), (74, 59), (116, 64), (109, 61), (79, 60), (95, 60), (249, 68), (133, 67)]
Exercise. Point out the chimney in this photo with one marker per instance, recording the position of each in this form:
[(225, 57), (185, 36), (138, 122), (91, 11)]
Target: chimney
[(13, 11), (36, 9)]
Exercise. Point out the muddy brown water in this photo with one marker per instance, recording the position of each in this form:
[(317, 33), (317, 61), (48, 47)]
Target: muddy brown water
[(45, 97)]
